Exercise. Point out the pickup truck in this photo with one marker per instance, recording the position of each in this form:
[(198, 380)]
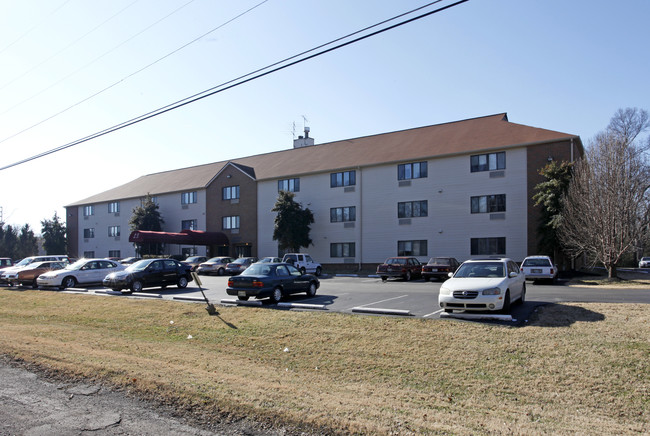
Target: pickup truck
[(304, 263)]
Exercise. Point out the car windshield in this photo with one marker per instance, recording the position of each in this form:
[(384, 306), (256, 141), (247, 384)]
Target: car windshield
[(396, 261), (25, 261), (242, 260), (77, 265), (257, 269), (440, 261), (216, 260), (193, 259), (480, 270), (139, 265), (536, 262)]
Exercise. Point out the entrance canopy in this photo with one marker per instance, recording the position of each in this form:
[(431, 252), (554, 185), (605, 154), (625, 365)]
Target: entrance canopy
[(185, 237)]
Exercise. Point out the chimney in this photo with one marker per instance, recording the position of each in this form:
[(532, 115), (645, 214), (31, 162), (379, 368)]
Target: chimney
[(303, 141)]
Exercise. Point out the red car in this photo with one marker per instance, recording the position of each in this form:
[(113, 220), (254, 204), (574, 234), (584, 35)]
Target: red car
[(406, 267), (439, 268)]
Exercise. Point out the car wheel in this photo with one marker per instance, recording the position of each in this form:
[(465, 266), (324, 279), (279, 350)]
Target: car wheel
[(182, 282), (221, 271), (522, 299), (407, 276), (312, 289), (136, 286), (318, 271), (303, 270), (384, 278), (68, 282), (242, 298), (506, 303), (34, 284), (276, 296)]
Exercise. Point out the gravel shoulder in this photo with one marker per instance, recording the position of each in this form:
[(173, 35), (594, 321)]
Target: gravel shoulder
[(35, 404)]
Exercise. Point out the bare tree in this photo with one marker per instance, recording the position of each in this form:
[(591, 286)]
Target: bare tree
[(605, 210)]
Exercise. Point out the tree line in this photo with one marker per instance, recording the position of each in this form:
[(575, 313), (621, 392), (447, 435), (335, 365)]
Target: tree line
[(17, 243)]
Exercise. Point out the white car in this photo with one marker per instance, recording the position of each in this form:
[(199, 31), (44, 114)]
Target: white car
[(539, 268), (644, 262), (483, 285), (83, 271), (304, 263)]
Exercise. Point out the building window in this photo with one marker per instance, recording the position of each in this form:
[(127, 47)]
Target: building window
[(230, 192), (230, 222), (89, 210), (89, 254), (342, 249), (346, 178), (114, 207), (412, 248), (343, 214), (488, 246), (189, 251), (114, 253), (113, 231), (188, 197), (189, 225), (488, 162), (488, 203), (289, 185), (411, 209), (89, 233), (416, 170)]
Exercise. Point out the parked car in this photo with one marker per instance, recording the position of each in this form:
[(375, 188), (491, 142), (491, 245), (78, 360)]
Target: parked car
[(5, 262), (401, 266), (83, 271), (483, 285), (269, 260), (238, 266), (28, 274), (439, 268), (195, 261), (215, 265), (644, 262), (539, 268), (303, 262), (273, 280), (150, 273), (29, 260), (129, 260)]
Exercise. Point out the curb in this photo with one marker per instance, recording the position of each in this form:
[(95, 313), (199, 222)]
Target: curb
[(382, 311)]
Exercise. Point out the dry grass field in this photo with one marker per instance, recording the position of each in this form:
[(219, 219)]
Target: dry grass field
[(573, 369)]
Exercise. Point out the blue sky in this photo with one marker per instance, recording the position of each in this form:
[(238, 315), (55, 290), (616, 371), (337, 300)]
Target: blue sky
[(556, 64)]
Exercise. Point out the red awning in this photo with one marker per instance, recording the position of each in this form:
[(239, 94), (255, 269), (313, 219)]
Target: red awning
[(185, 237)]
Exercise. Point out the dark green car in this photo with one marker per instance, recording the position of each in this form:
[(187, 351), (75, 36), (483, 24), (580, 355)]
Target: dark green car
[(271, 280)]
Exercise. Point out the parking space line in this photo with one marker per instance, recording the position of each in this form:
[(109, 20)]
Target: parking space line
[(432, 313), (381, 301)]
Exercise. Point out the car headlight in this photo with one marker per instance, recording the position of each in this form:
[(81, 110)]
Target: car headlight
[(492, 291), (445, 291)]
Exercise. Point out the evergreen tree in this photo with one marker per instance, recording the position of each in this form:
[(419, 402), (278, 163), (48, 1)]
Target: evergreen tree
[(54, 235), (147, 217), (27, 243), (291, 223)]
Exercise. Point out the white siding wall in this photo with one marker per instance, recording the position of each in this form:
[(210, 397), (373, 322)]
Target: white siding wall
[(170, 209), (448, 228)]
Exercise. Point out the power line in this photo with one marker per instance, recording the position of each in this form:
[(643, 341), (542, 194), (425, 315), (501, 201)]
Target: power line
[(126, 77), (237, 82)]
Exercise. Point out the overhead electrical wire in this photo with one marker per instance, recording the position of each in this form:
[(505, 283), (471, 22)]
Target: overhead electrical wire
[(244, 79), (123, 78)]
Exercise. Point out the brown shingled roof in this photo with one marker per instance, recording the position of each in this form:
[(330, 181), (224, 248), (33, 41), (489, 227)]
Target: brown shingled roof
[(481, 134)]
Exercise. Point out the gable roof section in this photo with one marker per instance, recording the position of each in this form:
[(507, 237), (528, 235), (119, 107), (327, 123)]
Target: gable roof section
[(493, 132)]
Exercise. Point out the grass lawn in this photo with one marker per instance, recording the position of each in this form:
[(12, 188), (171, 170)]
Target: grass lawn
[(573, 369)]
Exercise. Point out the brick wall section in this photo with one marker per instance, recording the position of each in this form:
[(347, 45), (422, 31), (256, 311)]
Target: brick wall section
[(245, 208), (72, 230), (537, 158)]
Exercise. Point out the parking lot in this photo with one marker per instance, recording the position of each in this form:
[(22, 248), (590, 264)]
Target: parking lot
[(396, 297)]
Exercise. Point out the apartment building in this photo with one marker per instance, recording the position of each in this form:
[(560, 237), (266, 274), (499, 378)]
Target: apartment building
[(461, 189)]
